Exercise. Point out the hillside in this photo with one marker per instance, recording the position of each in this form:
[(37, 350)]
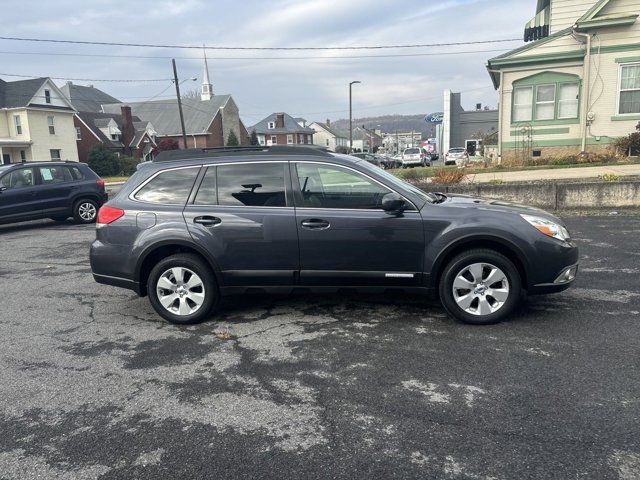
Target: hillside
[(390, 123)]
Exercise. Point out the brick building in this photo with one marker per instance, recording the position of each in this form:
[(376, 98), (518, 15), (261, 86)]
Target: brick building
[(283, 129)]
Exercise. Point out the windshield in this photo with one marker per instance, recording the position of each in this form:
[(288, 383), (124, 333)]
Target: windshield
[(411, 151), (456, 150), (393, 180)]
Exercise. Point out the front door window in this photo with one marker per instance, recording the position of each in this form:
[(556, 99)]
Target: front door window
[(328, 186)]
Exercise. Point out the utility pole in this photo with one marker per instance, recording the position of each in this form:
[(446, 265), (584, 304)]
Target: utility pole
[(175, 80), (351, 117), (397, 143)]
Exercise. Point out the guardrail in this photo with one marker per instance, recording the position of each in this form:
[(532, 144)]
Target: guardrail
[(553, 195)]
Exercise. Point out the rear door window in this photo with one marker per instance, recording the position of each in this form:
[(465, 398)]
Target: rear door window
[(54, 174), (251, 185), (171, 187)]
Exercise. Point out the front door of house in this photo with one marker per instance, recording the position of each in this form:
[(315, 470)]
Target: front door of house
[(6, 158)]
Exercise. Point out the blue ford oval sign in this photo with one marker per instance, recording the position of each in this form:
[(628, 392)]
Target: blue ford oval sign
[(434, 117)]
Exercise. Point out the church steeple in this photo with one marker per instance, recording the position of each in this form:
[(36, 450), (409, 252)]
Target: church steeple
[(206, 91)]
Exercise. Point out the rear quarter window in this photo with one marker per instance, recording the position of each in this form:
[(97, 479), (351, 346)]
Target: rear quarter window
[(171, 187)]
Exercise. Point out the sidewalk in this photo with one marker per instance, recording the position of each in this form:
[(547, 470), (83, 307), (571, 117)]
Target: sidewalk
[(554, 174)]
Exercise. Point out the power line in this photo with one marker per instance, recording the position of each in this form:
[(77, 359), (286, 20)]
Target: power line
[(327, 57), (121, 80), (199, 47)]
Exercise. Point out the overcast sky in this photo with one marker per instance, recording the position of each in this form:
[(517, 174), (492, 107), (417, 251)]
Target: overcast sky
[(309, 86)]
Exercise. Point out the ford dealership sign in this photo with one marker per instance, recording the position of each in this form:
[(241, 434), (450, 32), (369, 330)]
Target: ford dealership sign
[(434, 117)]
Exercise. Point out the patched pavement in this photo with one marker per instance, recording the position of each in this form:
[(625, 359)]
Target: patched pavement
[(94, 385)]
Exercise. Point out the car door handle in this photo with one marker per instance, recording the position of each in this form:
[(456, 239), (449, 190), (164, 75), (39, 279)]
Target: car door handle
[(315, 224), (207, 221)]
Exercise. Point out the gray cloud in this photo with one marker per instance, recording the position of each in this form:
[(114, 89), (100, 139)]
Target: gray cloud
[(315, 88)]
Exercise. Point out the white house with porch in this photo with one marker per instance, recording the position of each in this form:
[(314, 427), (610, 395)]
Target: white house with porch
[(36, 122)]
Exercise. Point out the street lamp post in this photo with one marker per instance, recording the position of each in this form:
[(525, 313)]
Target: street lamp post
[(351, 117)]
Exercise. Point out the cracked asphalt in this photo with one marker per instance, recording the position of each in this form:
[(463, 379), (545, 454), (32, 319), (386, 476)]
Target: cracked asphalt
[(94, 385)]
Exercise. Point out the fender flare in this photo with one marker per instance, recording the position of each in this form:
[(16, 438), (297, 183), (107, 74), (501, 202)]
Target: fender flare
[(438, 264), (178, 242)]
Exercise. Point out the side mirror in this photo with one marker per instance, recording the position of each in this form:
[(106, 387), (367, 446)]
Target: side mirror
[(393, 204)]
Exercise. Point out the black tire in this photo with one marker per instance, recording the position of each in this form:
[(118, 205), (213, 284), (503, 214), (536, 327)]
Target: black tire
[(80, 209), (458, 264), (198, 266)]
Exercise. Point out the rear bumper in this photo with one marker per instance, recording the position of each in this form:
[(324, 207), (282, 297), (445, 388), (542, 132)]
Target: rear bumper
[(118, 282), (412, 162), (110, 266)]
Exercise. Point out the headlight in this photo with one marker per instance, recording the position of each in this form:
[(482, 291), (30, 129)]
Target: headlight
[(549, 228)]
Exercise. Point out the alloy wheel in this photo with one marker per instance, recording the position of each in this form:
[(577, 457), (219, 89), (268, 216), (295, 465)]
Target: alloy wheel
[(180, 291), (480, 289), (87, 211)]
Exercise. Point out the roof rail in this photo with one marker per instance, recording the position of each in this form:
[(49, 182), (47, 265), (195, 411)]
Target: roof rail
[(169, 155)]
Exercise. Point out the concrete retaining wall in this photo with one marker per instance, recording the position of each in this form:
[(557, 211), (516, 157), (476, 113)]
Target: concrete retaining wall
[(553, 195)]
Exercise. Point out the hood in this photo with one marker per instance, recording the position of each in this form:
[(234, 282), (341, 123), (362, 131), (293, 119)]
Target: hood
[(466, 201)]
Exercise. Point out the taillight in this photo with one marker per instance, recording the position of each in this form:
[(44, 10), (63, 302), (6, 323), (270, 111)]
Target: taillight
[(107, 215), (100, 183)]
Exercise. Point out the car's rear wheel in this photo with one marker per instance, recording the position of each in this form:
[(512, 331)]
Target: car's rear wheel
[(480, 287), (182, 289), (85, 211)]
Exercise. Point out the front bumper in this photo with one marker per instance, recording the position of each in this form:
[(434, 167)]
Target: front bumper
[(566, 277)]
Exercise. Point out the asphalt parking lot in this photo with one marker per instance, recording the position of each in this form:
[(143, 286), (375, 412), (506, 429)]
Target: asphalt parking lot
[(94, 385)]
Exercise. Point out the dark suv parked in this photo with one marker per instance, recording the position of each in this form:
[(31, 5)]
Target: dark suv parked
[(56, 190), (194, 225)]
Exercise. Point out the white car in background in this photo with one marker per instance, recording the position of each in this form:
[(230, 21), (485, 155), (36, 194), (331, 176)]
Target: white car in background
[(415, 157), (456, 156)]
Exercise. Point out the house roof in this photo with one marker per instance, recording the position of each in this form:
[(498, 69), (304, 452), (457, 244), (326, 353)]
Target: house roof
[(164, 116), (86, 99), (95, 120), (328, 129), (19, 93), (290, 125)]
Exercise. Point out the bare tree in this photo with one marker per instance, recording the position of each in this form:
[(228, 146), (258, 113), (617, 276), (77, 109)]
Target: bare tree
[(191, 94)]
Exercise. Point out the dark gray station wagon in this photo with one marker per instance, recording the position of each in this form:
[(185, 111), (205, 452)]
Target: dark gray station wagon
[(194, 225)]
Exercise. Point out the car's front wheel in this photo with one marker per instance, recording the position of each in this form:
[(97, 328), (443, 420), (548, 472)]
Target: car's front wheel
[(480, 287), (182, 289)]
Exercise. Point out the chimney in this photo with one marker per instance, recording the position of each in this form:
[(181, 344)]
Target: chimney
[(328, 123), (128, 130), (279, 120)]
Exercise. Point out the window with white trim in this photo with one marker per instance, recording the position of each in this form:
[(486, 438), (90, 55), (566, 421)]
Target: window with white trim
[(522, 104), (545, 102), (78, 133), (55, 154), (568, 96), (52, 126), (274, 140), (18, 124), (271, 125), (629, 89), (289, 139), (47, 96)]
